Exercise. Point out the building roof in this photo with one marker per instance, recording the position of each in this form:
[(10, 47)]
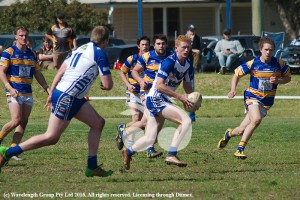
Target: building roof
[(109, 2)]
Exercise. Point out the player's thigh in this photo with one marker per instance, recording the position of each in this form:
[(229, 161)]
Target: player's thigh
[(88, 115), (26, 110), (15, 110), (175, 114), (254, 113)]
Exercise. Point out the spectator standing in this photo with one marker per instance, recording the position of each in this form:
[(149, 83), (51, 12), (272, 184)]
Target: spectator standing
[(18, 65), (69, 87), (62, 37), (228, 51), (46, 54)]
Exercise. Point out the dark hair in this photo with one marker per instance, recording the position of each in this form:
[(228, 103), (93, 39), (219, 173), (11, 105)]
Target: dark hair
[(267, 40), (46, 39), (227, 31), (23, 28), (142, 38), (161, 37)]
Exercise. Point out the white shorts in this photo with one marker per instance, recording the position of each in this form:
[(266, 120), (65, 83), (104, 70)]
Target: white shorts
[(262, 110), (133, 98), (28, 100)]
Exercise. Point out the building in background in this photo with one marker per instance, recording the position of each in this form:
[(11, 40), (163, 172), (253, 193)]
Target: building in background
[(171, 17)]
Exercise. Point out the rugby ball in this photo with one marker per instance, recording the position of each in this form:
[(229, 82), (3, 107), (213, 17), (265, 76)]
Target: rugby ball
[(196, 99)]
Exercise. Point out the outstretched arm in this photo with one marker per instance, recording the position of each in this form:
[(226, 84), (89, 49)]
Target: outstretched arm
[(234, 81)]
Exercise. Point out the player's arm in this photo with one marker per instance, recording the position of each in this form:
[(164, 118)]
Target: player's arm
[(234, 82), (124, 78), (161, 86), (187, 87), (13, 92), (280, 80), (138, 68), (106, 82), (41, 80)]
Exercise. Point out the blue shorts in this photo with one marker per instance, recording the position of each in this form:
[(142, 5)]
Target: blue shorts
[(156, 104), (64, 106)]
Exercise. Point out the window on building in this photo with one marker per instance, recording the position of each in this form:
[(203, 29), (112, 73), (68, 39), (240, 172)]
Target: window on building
[(172, 21)]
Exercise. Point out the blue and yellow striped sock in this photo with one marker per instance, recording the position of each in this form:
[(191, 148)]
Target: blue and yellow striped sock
[(242, 145), (228, 134)]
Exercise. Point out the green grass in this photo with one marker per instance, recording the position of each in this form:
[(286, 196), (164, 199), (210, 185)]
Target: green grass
[(271, 170)]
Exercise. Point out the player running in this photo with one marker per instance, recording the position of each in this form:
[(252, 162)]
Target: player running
[(266, 73)]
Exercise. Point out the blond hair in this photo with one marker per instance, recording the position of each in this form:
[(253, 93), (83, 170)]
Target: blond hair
[(100, 34)]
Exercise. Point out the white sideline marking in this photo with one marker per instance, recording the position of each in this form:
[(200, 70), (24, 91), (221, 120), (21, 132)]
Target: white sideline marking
[(204, 97)]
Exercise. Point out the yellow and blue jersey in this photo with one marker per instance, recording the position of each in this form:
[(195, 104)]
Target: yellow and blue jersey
[(260, 89), (21, 67), (127, 67), (150, 61)]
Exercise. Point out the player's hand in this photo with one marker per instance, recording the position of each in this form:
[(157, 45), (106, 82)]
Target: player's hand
[(48, 104), (185, 100), (14, 93), (231, 94), (131, 88), (143, 85), (274, 79)]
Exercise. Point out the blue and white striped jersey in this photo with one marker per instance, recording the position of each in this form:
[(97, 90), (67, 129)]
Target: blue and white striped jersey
[(83, 67), (173, 72)]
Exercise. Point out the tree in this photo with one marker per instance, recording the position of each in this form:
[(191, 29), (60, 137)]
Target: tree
[(289, 14), (39, 15)]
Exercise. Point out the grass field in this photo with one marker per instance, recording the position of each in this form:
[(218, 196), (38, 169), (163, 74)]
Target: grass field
[(271, 171)]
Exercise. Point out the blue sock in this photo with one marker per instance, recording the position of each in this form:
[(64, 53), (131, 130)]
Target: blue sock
[(150, 149), (240, 148), (130, 151), (227, 135), (172, 151), (13, 151), (92, 162)]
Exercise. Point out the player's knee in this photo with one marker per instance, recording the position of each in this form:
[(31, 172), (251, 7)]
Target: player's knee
[(256, 121), (100, 123), (187, 122), (51, 140), (16, 122)]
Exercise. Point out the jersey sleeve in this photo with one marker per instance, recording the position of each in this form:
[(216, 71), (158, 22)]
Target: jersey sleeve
[(5, 57), (244, 69), (144, 59), (165, 68), (127, 65), (103, 64)]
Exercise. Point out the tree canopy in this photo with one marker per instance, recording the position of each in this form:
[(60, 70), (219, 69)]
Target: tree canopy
[(289, 13), (39, 15)]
